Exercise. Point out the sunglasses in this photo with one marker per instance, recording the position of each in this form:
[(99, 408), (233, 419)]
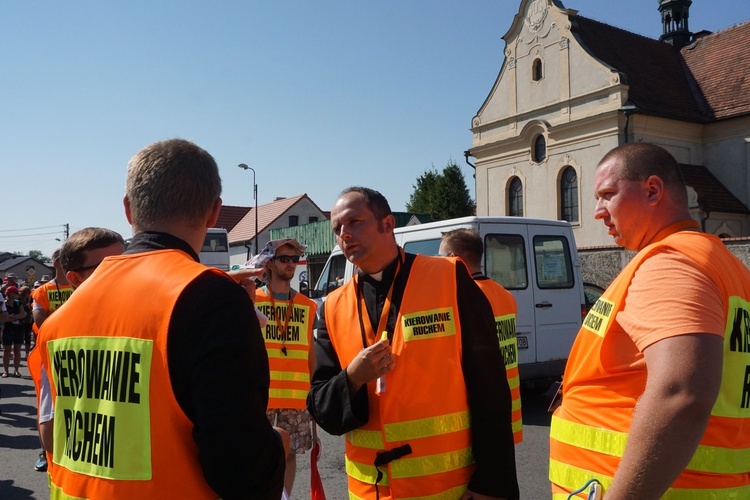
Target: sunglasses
[(286, 259)]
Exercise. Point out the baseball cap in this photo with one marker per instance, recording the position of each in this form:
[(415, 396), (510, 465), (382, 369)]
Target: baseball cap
[(11, 275), (11, 289)]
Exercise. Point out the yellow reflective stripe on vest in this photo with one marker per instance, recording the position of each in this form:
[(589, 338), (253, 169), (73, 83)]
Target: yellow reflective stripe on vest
[(516, 404), (427, 427), (710, 459), (432, 464), (273, 352), (450, 494), (56, 493), (572, 478), (287, 393), (517, 426), (589, 438), (411, 467), (364, 473), (366, 439), (290, 376)]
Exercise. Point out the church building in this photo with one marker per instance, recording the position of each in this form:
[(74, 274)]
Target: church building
[(571, 88)]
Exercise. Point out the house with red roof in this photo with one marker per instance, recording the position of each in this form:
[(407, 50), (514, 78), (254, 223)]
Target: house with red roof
[(571, 88), (240, 223)]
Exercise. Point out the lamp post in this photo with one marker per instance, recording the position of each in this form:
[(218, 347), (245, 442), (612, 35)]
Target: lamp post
[(255, 197)]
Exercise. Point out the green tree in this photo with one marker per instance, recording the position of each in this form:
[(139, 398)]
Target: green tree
[(442, 195), (38, 255)]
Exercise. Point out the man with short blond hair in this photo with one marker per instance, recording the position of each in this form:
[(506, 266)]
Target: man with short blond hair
[(188, 418)]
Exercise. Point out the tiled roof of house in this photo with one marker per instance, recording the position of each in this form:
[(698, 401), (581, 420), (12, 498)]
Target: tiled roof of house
[(655, 71), (720, 64), (229, 216), (267, 214), (712, 195)]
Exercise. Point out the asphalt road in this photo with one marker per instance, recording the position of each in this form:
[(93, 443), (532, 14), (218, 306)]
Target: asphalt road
[(19, 447)]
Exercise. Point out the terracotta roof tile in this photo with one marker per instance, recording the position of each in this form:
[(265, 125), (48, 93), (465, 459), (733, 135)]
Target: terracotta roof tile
[(655, 72), (229, 216), (720, 63), (267, 215)]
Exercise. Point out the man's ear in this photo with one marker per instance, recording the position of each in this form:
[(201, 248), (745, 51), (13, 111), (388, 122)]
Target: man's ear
[(655, 189), (74, 279), (126, 203), (389, 223), (214, 215)]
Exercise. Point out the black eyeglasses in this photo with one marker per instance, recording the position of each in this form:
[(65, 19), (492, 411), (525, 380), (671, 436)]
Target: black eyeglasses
[(86, 268), (285, 259)]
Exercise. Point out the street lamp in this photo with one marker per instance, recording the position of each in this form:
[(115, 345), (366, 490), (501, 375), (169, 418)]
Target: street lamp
[(255, 197)]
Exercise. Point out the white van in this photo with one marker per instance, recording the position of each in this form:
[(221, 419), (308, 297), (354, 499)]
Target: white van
[(215, 249), (535, 259)]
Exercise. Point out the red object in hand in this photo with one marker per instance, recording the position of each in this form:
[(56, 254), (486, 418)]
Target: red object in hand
[(316, 485)]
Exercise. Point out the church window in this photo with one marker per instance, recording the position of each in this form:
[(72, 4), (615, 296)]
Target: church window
[(569, 195), (537, 70), (515, 198), (540, 148)]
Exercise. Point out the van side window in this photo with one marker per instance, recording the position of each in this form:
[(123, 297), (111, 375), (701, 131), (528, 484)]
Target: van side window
[(425, 247), (332, 276), (505, 260), (554, 266)]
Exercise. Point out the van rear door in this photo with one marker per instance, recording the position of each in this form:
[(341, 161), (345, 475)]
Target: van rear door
[(535, 263), (557, 310)]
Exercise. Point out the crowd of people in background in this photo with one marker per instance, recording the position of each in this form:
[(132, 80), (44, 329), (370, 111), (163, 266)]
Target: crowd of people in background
[(220, 366), (18, 333)]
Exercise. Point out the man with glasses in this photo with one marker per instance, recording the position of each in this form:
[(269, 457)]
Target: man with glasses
[(81, 253), (47, 299), (289, 339)]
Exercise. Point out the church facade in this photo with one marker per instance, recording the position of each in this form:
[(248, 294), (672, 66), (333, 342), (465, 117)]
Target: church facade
[(571, 88)]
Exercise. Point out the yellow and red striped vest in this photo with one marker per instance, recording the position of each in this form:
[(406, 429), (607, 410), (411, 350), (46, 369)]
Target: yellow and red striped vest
[(504, 310), (589, 431), (290, 372), (118, 430), (425, 402)]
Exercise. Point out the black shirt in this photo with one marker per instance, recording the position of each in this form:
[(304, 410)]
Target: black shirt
[(338, 412), (219, 373)]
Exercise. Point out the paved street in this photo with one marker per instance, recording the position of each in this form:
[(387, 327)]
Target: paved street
[(19, 447)]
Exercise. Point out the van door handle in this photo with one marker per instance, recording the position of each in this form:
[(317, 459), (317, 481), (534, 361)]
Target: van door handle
[(543, 305)]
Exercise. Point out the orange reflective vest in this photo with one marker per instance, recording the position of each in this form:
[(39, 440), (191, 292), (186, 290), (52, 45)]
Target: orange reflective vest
[(589, 431), (424, 403), (50, 296), (119, 431), (504, 309), (288, 353)]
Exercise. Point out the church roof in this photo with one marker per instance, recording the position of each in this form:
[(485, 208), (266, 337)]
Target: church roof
[(655, 71), (720, 64), (712, 195), (704, 81)]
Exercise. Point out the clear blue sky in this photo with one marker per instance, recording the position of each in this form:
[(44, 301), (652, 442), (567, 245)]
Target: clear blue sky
[(316, 96)]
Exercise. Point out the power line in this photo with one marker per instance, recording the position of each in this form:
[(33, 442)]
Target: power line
[(27, 235), (30, 228)]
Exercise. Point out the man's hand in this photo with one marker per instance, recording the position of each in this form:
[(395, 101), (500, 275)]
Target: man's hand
[(370, 364), (246, 278)]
